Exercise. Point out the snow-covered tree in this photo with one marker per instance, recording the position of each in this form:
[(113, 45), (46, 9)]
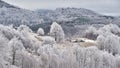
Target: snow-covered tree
[(16, 46), (24, 28), (91, 33), (113, 28), (110, 28), (8, 31), (110, 43), (40, 31), (27, 60), (108, 60), (4, 51), (25, 36), (57, 32), (22, 48), (117, 61), (44, 60)]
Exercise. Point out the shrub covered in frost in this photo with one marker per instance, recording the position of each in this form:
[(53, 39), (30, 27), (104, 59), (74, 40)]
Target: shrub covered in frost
[(40, 31), (48, 40)]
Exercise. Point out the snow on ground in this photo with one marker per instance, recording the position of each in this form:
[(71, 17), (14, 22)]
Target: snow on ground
[(84, 42)]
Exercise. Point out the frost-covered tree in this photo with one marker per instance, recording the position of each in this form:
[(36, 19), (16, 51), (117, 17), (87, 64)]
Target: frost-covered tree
[(91, 33), (22, 48), (25, 36), (40, 31), (8, 31), (110, 43), (108, 60), (101, 42), (27, 60), (44, 60), (57, 32), (24, 28), (16, 46), (117, 62), (110, 28), (4, 51)]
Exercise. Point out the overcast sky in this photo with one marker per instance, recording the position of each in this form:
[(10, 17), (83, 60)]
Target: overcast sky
[(108, 7)]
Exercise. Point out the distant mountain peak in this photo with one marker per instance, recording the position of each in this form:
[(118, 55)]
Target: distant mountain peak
[(81, 11), (4, 4)]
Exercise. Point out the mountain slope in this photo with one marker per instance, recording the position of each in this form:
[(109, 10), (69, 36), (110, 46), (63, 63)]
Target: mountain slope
[(76, 19), (76, 16), (4, 4), (10, 14), (72, 19)]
